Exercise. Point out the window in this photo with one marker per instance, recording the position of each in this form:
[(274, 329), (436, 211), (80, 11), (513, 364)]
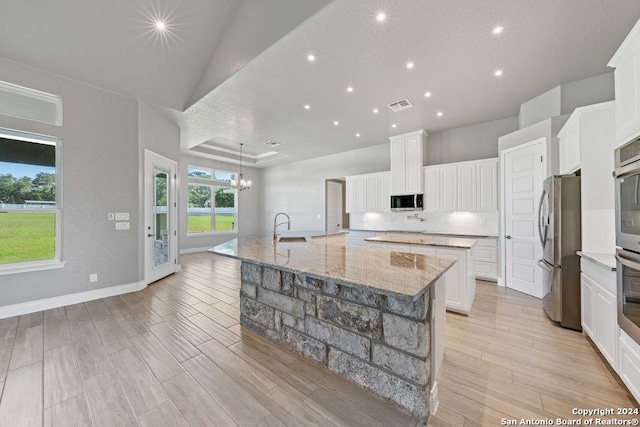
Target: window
[(211, 201), (30, 208)]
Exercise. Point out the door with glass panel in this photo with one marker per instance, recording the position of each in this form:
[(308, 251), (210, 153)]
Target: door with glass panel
[(160, 217)]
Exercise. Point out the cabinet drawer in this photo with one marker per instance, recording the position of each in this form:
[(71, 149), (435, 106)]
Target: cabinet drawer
[(486, 269), (485, 254), (487, 243), (399, 248)]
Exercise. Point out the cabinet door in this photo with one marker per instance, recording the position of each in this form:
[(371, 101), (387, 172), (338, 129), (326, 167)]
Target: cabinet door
[(467, 187), (606, 324), (350, 196), (449, 188), (487, 186), (372, 201), (385, 193), (431, 189), (574, 148), (413, 165), (455, 278), (627, 99), (587, 297), (360, 190), (398, 157)]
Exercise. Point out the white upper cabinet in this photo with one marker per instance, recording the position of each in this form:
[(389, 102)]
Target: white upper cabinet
[(570, 145), (449, 188), (407, 161), (368, 193), (431, 199), (467, 187), (462, 187), (487, 185), (627, 86)]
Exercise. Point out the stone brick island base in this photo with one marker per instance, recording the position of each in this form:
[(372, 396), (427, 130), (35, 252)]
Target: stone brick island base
[(381, 342)]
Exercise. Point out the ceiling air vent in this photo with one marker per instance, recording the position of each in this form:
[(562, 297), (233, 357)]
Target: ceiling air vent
[(271, 144), (403, 104)]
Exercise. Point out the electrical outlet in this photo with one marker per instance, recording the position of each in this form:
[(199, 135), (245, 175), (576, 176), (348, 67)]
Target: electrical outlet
[(93, 277), (123, 226), (110, 216), (122, 216)]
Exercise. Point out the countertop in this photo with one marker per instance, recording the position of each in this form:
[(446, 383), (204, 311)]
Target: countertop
[(391, 273), (606, 261), (429, 233), (425, 240)]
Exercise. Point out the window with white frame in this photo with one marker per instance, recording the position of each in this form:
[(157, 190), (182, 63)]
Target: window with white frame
[(211, 201), (30, 202)]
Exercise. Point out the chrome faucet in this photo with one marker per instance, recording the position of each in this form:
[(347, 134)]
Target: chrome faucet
[(275, 236)]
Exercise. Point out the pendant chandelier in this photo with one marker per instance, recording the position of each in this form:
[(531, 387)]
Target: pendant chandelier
[(241, 183)]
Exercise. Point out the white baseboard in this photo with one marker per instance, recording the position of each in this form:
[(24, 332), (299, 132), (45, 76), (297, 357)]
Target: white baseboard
[(433, 398), (195, 250), (61, 301), (178, 268)]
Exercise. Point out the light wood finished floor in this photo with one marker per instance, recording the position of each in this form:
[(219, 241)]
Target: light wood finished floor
[(174, 354)]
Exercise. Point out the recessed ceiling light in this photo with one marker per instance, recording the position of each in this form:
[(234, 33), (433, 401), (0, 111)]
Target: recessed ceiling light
[(271, 144), (350, 89), (497, 73), (498, 29), (381, 17), (357, 135), (410, 65), (306, 107), (336, 123), (375, 111), (311, 57), (427, 94), (160, 25), (439, 114), (394, 126)]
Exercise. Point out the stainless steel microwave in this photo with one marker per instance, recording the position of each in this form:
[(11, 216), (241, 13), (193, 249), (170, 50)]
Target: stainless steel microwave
[(627, 186), (410, 202)]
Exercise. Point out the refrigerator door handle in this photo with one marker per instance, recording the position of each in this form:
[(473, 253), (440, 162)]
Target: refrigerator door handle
[(545, 266), (542, 238)]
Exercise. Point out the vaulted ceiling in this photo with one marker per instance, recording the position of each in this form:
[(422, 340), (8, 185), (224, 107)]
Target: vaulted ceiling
[(236, 71)]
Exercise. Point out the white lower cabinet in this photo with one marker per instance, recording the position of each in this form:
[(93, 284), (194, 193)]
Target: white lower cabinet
[(629, 364), (485, 254), (599, 309), (460, 280), (355, 238)]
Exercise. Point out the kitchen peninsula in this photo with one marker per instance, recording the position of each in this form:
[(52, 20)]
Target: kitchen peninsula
[(371, 316)]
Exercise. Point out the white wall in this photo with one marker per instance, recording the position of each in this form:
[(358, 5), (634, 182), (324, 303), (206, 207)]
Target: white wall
[(248, 205), (298, 189), (100, 175)]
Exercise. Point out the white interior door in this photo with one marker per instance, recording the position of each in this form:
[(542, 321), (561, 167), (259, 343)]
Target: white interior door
[(524, 173), (160, 222), (334, 207)]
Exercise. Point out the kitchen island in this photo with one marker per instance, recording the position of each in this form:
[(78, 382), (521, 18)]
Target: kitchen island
[(373, 317), (460, 280)]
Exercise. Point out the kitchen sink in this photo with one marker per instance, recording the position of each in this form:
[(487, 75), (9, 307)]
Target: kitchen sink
[(285, 239)]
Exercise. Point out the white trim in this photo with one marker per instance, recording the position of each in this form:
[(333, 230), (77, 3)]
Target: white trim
[(61, 301), (433, 398), (27, 266), (178, 268), (627, 46), (195, 250)]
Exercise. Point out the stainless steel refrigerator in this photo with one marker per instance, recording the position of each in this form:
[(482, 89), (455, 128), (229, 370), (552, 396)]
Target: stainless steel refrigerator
[(560, 235)]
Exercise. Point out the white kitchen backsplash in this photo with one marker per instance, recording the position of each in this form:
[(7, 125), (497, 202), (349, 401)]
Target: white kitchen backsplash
[(480, 223)]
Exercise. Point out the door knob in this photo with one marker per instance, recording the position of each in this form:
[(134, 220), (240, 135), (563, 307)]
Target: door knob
[(149, 235), (508, 237)]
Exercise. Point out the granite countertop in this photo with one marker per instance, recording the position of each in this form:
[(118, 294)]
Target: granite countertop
[(308, 235), (425, 240), (606, 261), (430, 233), (391, 273)]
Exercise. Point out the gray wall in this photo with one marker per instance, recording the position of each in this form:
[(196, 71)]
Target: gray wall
[(162, 136), (468, 143), (100, 175), (248, 205), (565, 98)]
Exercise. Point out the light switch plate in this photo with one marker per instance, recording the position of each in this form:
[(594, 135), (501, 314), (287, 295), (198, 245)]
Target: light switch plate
[(123, 225), (110, 216), (122, 216)]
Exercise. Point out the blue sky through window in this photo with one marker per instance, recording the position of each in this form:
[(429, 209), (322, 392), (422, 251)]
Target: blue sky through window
[(19, 170)]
